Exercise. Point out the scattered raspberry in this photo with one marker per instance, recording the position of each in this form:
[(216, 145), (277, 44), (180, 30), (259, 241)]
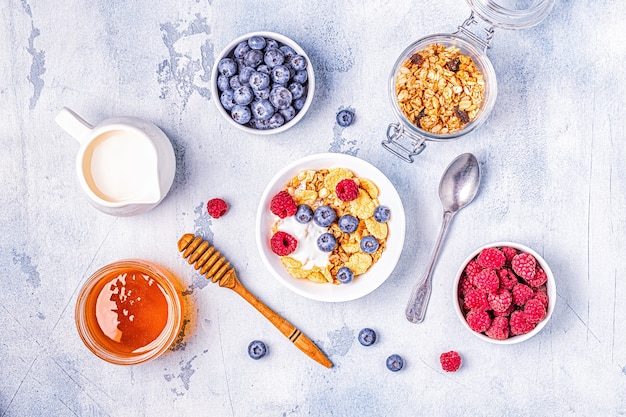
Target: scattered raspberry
[(524, 265), (508, 280), (519, 324), (543, 297), (465, 286), (487, 280), (491, 258), (478, 320), (534, 310), (472, 269), (499, 328), (521, 294), (347, 190), (282, 205), (216, 207), (500, 300), (450, 361), (509, 253), (540, 277), (476, 299), (283, 243)]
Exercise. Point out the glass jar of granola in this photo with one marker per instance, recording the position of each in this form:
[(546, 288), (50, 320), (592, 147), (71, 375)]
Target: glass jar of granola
[(443, 86)]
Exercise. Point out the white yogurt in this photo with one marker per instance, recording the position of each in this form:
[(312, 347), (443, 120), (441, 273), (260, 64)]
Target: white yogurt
[(306, 234)]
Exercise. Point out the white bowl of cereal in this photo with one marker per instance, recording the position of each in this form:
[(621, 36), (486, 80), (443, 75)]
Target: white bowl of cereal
[(366, 247)]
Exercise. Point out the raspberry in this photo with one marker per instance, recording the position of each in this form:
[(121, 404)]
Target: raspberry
[(491, 258), (478, 320), (505, 313), (521, 294), (283, 243), (347, 190), (543, 297), (508, 280), (487, 280), (472, 269), (519, 324), (524, 265), (534, 310), (509, 253), (500, 301), (476, 299), (465, 286), (450, 361), (540, 278), (499, 328), (217, 207), (283, 205)]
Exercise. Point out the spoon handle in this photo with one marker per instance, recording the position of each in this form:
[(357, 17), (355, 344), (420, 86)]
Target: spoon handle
[(416, 307)]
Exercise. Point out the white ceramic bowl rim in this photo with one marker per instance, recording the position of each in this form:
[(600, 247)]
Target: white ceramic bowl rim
[(550, 284), (365, 283)]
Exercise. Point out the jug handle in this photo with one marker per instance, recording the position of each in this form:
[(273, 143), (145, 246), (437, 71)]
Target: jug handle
[(73, 124)]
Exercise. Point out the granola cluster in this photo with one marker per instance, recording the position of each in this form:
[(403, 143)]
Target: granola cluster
[(439, 89)]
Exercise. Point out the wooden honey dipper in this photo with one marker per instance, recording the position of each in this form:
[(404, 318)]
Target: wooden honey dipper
[(204, 257)]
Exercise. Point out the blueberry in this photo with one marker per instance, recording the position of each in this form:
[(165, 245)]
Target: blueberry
[(277, 120), (241, 114), (381, 214), (280, 97), (227, 99), (253, 58), (324, 216), (280, 74), (288, 113), (301, 76), (273, 57), (345, 118), (244, 75), (395, 363), (223, 82), (234, 82), (298, 104), (367, 337), (326, 242), (271, 44), (257, 349), (227, 67), (288, 52), (260, 124), (264, 69), (348, 223), (259, 80), (262, 109), (241, 49), (298, 63), (243, 95), (263, 93), (369, 244), (345, 275), (296, 89), (257, 42), (304, 214)]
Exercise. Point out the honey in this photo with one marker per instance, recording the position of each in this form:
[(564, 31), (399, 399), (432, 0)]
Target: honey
[(129, 312)]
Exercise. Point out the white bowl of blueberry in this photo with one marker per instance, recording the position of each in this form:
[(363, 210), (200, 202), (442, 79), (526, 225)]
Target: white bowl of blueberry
[(263, 83)]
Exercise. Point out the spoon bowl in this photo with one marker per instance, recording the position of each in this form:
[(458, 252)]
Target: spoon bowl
[(457, 188)]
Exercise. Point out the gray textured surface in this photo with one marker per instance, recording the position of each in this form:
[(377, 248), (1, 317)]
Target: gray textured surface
[(552, 155)]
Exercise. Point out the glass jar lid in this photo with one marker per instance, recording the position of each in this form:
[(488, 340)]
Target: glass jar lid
[(512, 14)]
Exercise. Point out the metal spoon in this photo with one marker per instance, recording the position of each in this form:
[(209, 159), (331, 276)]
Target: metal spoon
[(457, 188)]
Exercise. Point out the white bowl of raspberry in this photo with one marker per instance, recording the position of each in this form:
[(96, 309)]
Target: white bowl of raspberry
[(330, 227), (504, 293)]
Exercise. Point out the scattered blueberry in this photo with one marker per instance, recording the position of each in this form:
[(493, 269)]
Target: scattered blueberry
[(277, 120), (273, 57), (298, 63), (304, 214), (280, 74), (257, 349), (262, 109), (296, 89), (324, 216), (369, 244), (227, 99), (241, 49), (381, 214), (253, 58), (301, 76), (243, 95), (223, 82), (280, 97), (367, 337), (345, 275), (240, 114), (395, 363), (227, 67), (348, 223), (345, 118), (257, 42), (326, 242)]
